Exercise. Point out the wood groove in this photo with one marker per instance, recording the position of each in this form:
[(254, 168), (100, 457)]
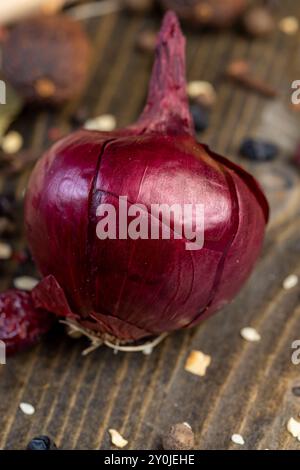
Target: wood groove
[(15, 404), (294, 320), (42, 395), (114, 395), (148, 397), (272, 357), (61, 385)]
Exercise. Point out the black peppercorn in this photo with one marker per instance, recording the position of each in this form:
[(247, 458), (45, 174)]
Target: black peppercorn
[(200, 116), (258, 150), (41, 443), (46, 59)]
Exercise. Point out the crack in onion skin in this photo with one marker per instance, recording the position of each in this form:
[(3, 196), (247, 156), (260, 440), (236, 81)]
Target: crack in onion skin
[(131, 289)]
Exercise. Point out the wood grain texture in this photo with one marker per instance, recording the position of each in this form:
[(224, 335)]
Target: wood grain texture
[(247, 388)]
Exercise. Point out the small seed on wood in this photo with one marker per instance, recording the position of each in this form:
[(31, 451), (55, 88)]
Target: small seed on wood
[(12, 142), (290, 282), (27, 408), (238, 439), (250, 334), (116, 439), (293, 428)]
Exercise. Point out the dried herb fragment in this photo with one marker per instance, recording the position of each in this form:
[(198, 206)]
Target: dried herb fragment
[(197, 363)]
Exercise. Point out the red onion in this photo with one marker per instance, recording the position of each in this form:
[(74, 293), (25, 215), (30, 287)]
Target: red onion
[(126, 288)]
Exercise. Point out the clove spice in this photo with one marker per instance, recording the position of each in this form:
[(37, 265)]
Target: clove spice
[(239, 71)]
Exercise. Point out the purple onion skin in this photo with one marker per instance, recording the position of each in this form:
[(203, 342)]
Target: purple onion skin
[(136, 288), (21, 324)]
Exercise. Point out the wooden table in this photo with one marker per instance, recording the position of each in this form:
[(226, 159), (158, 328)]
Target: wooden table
[(248, 386)]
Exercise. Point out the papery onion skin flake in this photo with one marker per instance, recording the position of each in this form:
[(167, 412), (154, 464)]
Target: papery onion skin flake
[(132, 289), (21, 324)]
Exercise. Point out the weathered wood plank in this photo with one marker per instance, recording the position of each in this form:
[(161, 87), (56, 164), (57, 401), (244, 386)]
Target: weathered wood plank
[(247, 388)]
